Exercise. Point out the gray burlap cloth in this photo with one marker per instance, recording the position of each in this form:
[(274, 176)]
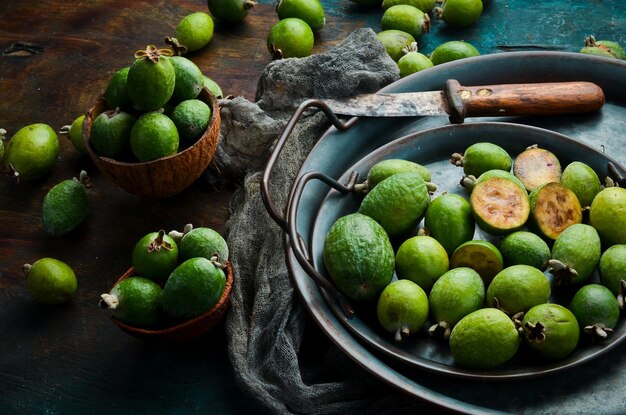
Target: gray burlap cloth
[(279, 355)]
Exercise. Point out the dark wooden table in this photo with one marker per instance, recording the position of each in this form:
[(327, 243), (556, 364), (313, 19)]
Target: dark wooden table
[(72, 359)]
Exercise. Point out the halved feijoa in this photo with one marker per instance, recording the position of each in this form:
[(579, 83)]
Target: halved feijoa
[(553, 208), (499, 205), (482, 256), (481, 157), (537, 166), (471, 181)]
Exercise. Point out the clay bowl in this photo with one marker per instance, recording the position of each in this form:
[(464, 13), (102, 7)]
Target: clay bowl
[(187, 330), (166, 176)]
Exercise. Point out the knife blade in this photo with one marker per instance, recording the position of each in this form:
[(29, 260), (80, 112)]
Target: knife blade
[(458, 101)]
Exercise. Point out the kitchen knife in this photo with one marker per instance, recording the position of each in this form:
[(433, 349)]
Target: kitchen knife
[(458, 101)]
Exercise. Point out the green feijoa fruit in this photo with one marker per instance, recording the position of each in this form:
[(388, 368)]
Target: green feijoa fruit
[(194, 287), (74, 132), (387, 168), (608, 215), (484, 339), (189, 79), (518, 288), (553, 208), (358, 257), (413, 61), (116, 93), (575, 254), (31, 152), (525, 248), (213, 87), (394, 41), (453, 50), (155, 256), (151, 78), (154, 136), (195, 31), (424, 5), (422, 260), (402, 308), (582, 180), (550, 330), (65, 206), (481, 256), (612, 269), (460, 13), (537, 166), (470, 181), (597, 51), (499, 205), (609, 48), (398, 203), (310, 11), (481, 157), (134, 301), (50, 281), (231, 11), (290, 38), (454, 295), (110, 134), (191, 118), (449, 219), (202, 242), (596, 310), (407, 19)]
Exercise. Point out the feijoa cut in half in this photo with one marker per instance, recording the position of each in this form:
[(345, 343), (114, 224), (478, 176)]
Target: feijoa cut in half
[(499, 205), (482, 256), (553, 208), (470, 181), (575, 254), (537, 166)]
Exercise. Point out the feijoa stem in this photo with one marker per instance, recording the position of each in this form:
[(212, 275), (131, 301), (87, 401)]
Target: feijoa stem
[(108, 301), (3, 134), (441, 330), (159, 242), (468, 181), (536, 332), (598, 331), (622, 294), (177, 47), (26, 268), (410, 48), (215, 260), (249, 4), (14, 173), (177, 236), (151, 52), (457, 159), (361, 187), (402, 333), (562, 273)]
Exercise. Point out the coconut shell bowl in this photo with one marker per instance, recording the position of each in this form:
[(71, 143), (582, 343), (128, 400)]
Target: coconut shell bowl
[(166, 176), (188, 330)]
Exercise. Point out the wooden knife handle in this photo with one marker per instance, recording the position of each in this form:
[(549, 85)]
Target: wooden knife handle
[(522, 99)]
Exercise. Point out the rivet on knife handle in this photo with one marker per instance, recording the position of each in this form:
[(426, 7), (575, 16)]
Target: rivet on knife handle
[(522, 99)]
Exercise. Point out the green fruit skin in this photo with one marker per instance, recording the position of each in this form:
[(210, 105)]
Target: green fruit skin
[(359, 257), (451, 51), (449, 219), (202, 242), (188, 79), (455, 294), (608, 215), (398, 203), (560, 329), (195, 31), (394, 41), (482, 256), (76, 134), (231, 11), (582, 180), (191, 119), (139, 301), (525, 248), (508, 190), (156, 264), (612, 267), (413, 62), (32, 151), (482, 157), (110, 134), (407, 19), (194, 287), (594, 50), (402, 305), (501, 174), (150, 85), (484, 339), (540, 220), (51, 281), (154, 136), (424, 5), (461, 13), (414, 261), (310, 11), (292, 36), (518, 288), (578, 247), (116, 93), (212, 86), (613, 47), (64, 207), (387, 168), (595, 305)]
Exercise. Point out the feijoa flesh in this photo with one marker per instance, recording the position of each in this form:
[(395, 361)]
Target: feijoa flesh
[(596, 310), (135, 301), (575, 254), (65, 206), (499, 205), (480, 255), (550, 330), (449, 219), (402, 308), (32, 152), (537, 166), (155, 256), (553, 208)]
